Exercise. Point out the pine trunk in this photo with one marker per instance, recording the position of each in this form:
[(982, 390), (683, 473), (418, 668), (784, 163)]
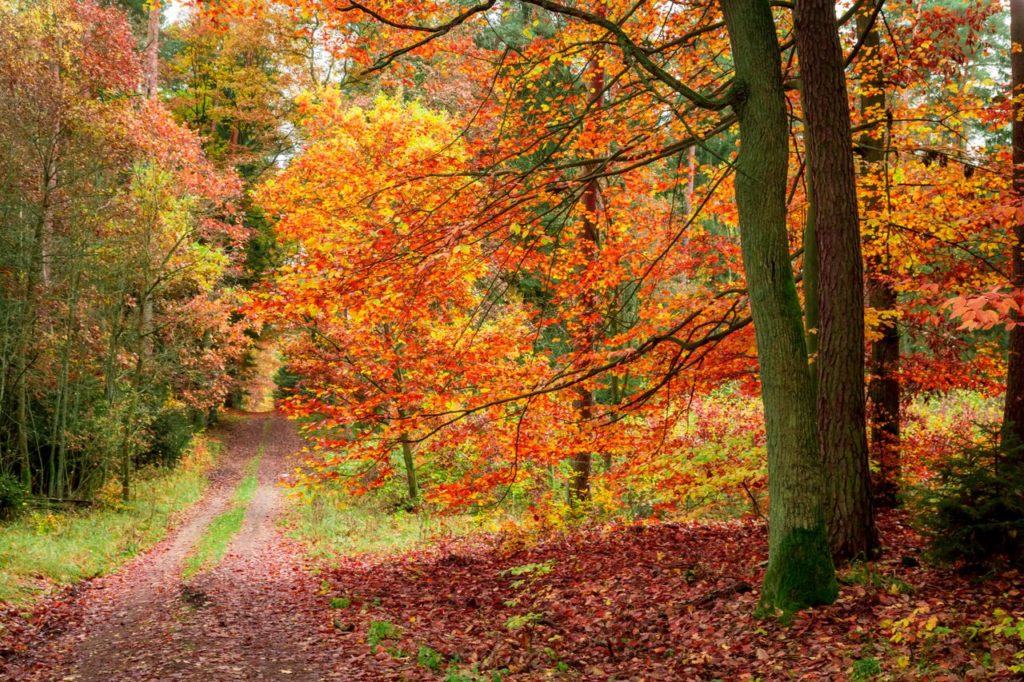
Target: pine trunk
[(800, 570), (842, 417)]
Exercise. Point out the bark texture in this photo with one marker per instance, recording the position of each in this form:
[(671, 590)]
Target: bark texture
[(841, 406), (582, 461), (883, 370), (1013, 409), (800, 570)]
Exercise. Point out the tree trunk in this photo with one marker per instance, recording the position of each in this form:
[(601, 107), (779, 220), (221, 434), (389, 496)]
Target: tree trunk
[(800, 570), (884, 383), (1013, 408), (812, 309), (26, 460), (841, 407), (152, 54), (410, 469), (582, 462)]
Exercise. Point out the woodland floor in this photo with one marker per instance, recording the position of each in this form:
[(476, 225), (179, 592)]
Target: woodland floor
[(643, 602)]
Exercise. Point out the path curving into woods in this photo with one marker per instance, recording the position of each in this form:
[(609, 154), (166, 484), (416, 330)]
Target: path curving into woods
[(256, 615)]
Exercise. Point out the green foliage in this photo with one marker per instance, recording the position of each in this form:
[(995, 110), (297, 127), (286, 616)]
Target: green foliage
[(1012, 629), (331, 528), (340, 602), (861, 573), (974, 511), (64, 548), (531, 569), (381, 630), (430, 659), (285, 381), (865, 669), (171, 431), (520, 621), (456, 675), (12, 496)]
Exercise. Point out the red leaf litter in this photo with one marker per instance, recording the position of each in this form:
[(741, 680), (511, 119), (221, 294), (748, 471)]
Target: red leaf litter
[(636, 602)]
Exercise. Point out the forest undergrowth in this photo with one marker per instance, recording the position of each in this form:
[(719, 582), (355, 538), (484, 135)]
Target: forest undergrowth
[(46, 549), (664, 600)]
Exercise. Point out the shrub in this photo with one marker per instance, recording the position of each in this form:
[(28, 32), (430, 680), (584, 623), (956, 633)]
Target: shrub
[(171, 431), (285, 381), (12, 496), (974, 510)]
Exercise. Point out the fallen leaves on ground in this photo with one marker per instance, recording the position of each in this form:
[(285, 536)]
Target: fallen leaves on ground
[(636, 602), (669, 602)]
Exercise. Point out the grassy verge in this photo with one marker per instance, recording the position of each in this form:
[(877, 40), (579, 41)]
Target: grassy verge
[(330, 528), (42, 549), (214, 544)]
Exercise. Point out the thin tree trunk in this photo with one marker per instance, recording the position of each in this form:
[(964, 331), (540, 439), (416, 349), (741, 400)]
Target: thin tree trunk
[(800, 571), (47, 222), (582, 461), (152, 54), (841, 407), (26, 460), (691, 179), (883, 383), (410, 469), (1013, 409)]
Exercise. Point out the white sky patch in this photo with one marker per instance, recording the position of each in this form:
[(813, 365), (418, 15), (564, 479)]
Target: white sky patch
[(174, 11)]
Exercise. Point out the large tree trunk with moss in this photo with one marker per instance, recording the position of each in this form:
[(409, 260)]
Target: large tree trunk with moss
[(800, 570), (883, 383), (1013, 409), (842, 417)]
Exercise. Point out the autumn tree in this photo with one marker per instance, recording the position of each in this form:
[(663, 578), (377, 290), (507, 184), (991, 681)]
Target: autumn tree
[(801, 571), (119, 229)]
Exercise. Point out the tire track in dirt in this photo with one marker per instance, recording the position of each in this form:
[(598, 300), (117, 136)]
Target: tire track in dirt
[(249, 617)]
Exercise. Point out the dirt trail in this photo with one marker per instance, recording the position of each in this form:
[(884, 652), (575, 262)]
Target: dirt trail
[(255, 616)]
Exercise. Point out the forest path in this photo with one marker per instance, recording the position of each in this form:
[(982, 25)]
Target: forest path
[(256, 615)]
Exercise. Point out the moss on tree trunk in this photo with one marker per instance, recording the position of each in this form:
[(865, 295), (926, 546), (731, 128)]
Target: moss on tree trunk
[(800, 570)]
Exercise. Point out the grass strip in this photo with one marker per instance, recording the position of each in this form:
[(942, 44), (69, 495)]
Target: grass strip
[(212, 547), (45, 548)]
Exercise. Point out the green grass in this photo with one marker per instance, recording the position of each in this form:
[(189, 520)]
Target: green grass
[(212, 547), (330, 530), (42, 549)]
